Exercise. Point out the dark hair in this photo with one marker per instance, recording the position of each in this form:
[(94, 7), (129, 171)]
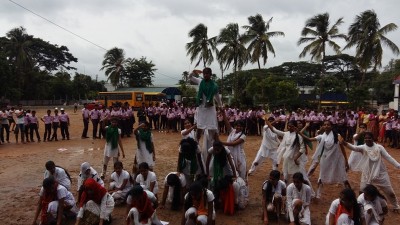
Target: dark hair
[(207, 70), (349, 195), (135, 191), (298, 176), (296, 141), (268, 193), (195, 187), (188, 152), (335, 134), (174, 181), (48, 182), (221, 158), (144, 165), (368, 133), (50, 164), (239, 122), (118, 163), (372, 191)]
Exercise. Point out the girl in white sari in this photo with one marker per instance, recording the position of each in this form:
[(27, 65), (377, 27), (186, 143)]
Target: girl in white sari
[(331, 157), (374, 204), (290, 150), (268, 148), (374, 170)]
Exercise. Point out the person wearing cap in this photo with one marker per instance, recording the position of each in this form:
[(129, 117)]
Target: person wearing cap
[(20, 125), (268, 148), (87, 172), (59, 174), (64, 124), (141, 207)]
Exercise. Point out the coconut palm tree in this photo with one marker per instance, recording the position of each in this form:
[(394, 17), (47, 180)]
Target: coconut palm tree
[(259, 37), (233, 50), (368, 36), (113, 63), (18, 47), (201, 47), (318, 34)]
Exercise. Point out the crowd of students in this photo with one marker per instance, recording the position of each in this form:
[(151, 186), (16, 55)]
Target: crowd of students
[(216, 177)]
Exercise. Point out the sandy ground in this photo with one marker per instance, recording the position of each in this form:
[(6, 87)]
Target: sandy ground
[(22, 167)]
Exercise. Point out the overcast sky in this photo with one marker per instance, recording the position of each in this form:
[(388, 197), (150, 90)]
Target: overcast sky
[(158, 29)]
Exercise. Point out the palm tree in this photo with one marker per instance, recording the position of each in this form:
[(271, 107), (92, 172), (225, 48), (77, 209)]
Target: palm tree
[(317, 32), (18, 48), (201, 47), (234, 51), (259, 37), (113, 63), (367, 35)]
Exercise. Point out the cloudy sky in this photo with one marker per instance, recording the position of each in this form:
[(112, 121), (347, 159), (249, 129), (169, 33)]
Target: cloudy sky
[(157, 29)]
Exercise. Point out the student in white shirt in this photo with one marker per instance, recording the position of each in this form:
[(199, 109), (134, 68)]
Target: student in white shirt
[(374, 204), (273, 193), (147, 179), (120, 183), (174, 190), (298, 198)]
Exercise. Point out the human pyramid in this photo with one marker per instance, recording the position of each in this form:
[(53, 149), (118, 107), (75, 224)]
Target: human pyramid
[(213, 175)]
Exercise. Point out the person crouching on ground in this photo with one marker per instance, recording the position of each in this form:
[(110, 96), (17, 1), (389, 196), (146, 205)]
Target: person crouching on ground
[(54, 200), (96, 205)]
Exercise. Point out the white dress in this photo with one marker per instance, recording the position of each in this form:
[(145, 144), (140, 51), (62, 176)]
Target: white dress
[(171, 188), (109, 151), (237, 152), (60, 176), (268, 148), (376, 207), (206, 117), (117, 181), (151, 177), (332, 162), (343, 219), (62, 193), (287, 152), (143, 155), (374, 170), (293, 194), (354, 159)]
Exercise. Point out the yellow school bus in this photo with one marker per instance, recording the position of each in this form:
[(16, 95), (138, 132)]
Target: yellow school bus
[(154, 98), (134, 98)]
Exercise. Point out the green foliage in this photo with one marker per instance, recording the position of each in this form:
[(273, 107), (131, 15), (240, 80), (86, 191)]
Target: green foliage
[(318, 34), (138, 72), (26, 63), (367, 35), (201, 46), (258, 36)]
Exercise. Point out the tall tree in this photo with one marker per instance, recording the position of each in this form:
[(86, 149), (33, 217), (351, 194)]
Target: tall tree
[(201, 47), (233, 50), (113, 63), (318, 34), (368, 36), (259, 37), (139, 72)]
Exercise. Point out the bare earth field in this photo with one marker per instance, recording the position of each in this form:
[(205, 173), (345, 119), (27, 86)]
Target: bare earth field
[(22, 167)]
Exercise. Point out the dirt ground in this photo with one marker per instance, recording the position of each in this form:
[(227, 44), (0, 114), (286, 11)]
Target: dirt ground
[(22, 167)]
